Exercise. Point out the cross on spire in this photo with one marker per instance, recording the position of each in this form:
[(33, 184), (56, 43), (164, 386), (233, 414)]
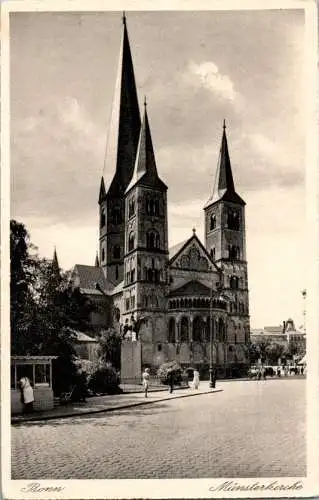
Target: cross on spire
[(124, 18)]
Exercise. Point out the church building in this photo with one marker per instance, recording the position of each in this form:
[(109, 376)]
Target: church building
[(182, 297)]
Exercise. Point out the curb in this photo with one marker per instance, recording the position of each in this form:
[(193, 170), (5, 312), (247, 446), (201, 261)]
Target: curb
[(105, 410)]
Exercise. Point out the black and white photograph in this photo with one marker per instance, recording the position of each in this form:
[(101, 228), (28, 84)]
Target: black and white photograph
[(159, 192)]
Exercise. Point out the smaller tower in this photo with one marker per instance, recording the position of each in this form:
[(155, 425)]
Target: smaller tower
[(225, 240)]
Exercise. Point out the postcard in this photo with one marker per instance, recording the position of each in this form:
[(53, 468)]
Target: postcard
[(159, 189)]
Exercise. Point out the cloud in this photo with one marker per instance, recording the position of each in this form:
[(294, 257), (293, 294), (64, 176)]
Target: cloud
[(210, 77), (57, 158)]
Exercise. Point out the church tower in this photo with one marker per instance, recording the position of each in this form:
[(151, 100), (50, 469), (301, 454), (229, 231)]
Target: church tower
[(146, 248), (225, 240), (120, 155)]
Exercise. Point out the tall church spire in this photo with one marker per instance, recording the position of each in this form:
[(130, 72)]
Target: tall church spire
[(145, 171), (124, 125), (224, 188)]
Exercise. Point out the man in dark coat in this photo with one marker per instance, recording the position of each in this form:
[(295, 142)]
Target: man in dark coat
[(170, 379)]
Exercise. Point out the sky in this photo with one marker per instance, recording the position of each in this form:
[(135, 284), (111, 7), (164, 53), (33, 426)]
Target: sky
[(196, 68)]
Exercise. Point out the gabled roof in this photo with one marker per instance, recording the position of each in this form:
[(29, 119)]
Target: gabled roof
[(124, 125), (174, 250), (181, 247), (145, 171), (89, 276), (224, 188), (117, 289), (82, 337), (192, 287)]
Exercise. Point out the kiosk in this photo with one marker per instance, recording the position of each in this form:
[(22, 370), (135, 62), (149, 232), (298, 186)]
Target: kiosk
[(38, 369)]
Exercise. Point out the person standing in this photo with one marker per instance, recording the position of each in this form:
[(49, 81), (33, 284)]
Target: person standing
[(146, 380), (27, 395), (170, 379), (196, 379)]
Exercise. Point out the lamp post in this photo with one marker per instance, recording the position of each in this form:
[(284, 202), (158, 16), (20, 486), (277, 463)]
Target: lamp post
[(212, 380), (304, 296)]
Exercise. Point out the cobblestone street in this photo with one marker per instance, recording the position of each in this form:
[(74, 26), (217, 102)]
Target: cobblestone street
[(251, 429)]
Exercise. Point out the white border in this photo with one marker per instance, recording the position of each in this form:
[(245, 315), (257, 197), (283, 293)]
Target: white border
[(170, 488)]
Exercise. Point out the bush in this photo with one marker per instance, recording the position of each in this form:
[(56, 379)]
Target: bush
[(64, 372), (105, 381), (165, 368)]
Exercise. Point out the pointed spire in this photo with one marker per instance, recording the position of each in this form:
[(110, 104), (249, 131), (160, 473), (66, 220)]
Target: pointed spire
[(145, 165), (97, 263), (224, 187), (225, 177), (55, 263), (125, 123), (102, 193)]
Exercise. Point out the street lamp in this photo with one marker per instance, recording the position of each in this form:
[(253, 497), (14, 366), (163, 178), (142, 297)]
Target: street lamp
[(222, 297)]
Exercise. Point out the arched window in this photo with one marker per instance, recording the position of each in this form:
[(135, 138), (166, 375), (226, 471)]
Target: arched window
[(116, 272), (103, 255), (234, 282), (102, 220), (171, 331), (213, 253), (116, 215), (212, 222), (234, 253), (131, 241), (152, 240), (197, 329), (152, 207), (184, 329), (182, 303), (233, 221), (185, 261), (131, 207), (116, 252)]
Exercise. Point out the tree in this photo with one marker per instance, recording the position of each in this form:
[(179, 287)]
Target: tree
[(274, 352), (44, 306), (60, 310), (22, 304), (253, 353), (109, 349)]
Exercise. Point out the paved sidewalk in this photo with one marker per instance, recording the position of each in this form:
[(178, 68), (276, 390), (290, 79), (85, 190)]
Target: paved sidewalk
[(111, 403)]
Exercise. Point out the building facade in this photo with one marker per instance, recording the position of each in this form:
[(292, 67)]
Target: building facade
[(185, 296)]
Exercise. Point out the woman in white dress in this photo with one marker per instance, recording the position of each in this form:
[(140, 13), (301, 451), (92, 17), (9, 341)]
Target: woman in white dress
[(196, 380), (27, 394), (146, 380)]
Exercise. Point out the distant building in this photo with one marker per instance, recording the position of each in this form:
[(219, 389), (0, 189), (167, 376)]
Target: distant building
[(286, 335)]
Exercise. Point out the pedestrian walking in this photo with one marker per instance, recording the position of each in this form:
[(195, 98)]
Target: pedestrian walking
[(27, 395), (195, 383), (264, 373), (170, 379), (214, 378), (146, 380)]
